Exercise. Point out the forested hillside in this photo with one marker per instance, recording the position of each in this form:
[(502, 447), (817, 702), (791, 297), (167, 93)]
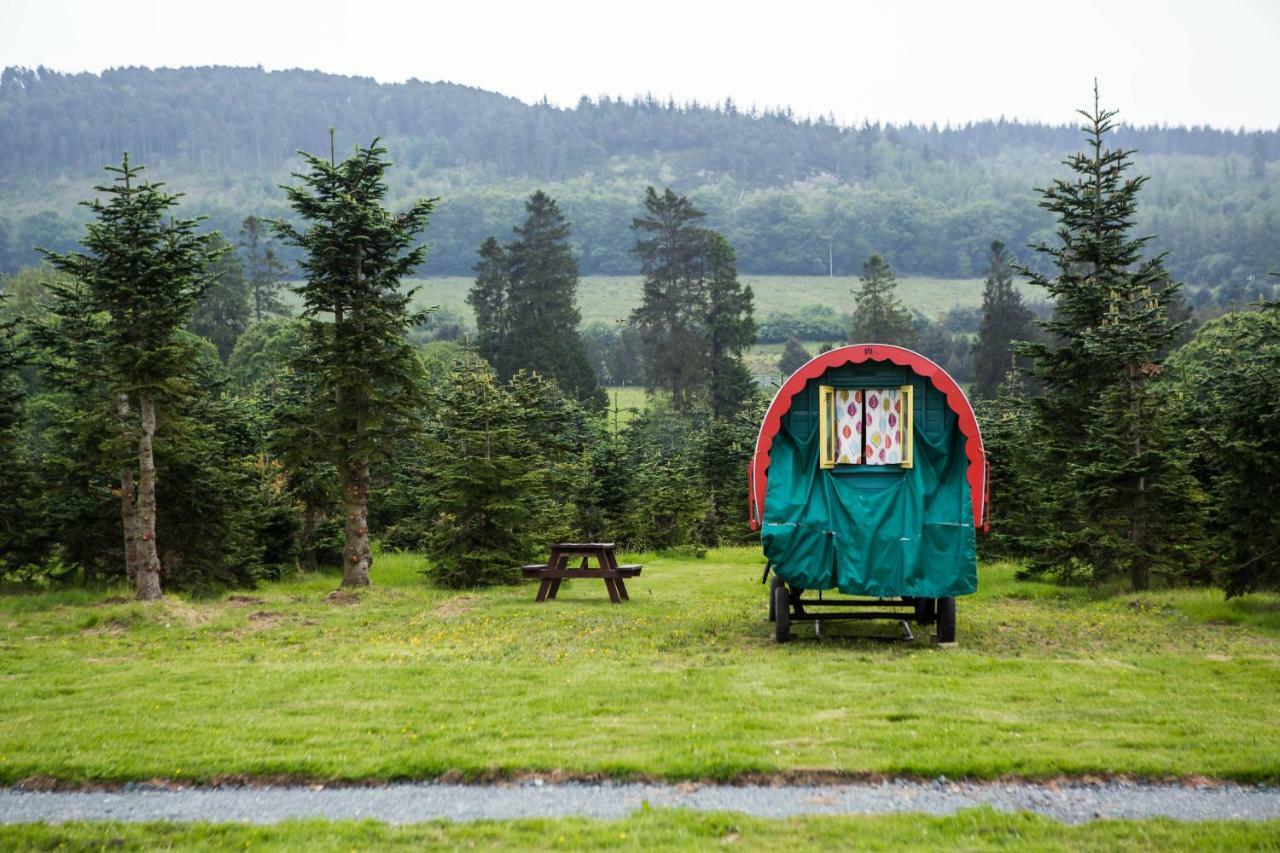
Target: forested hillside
[(793, 195)]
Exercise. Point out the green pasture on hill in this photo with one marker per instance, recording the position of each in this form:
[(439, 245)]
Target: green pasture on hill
[(607, 299), (407, 681)]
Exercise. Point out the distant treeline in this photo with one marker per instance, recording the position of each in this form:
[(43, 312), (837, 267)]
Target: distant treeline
[(794, 195)]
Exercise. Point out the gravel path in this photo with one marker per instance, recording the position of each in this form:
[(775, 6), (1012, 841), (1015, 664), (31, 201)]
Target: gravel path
[(1073, 802)]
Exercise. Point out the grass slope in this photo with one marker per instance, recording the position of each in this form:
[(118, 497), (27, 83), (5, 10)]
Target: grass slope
[(606, 299), (979, 829), (412, 682)]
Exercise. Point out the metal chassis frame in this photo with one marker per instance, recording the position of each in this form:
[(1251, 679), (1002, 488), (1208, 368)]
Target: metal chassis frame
[(799, 613)]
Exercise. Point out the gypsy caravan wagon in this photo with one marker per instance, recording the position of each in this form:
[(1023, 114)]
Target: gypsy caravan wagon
[(867, 484)]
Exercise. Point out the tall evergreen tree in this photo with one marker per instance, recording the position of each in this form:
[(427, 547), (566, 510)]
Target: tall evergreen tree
[(730, 330), (14, 480), (141, 274), (1117, 488), (1004, 320), (878, 315), (541, 314), (488, 299), (672, 248), (355, 354), (222, 312), (262, 269)]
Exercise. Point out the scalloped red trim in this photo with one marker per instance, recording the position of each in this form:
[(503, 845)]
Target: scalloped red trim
[(758, 470)]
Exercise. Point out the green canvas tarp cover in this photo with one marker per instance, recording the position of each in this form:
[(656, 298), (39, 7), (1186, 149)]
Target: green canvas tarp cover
[(872, 530)]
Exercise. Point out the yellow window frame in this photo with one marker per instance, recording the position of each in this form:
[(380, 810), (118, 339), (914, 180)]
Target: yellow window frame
[(827, 432), (826, 426), (908, 433)]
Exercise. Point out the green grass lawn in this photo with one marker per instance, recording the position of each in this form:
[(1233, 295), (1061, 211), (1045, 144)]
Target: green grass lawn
[(413, 682), (604, 298), (979, 829)]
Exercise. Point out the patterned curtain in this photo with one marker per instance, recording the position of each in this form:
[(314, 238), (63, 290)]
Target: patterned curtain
[(848, 427), (884, 426)]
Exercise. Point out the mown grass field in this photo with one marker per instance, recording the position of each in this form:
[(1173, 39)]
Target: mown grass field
[(407, 681), (980, 829), (606, 299)]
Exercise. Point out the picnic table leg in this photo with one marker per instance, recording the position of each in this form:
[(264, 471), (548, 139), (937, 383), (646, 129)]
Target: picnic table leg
[(622, 588), (609, 584), (555, 587), (542, 590)]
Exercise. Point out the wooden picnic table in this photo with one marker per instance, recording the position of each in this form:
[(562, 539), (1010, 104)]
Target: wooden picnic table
[(557, 569)]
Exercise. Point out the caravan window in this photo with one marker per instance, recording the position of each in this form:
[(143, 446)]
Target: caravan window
[(865, 426)]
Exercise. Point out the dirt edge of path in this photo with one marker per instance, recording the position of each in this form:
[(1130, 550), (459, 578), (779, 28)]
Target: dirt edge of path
[(494, 776)]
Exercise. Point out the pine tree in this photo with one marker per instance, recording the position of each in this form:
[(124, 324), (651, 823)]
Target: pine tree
[(672, 252), (481, 488), (262, 268), (794, 356), (1222, 389), (15, 485), (355, 354), (1118, 492), (141, 275), (878, 315), (1004, 320), (85, 448), (488, 300), (222, 312), (730, 330), (542, 311)]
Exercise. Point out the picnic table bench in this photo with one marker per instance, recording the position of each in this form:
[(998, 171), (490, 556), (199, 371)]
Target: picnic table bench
[(557, 569)]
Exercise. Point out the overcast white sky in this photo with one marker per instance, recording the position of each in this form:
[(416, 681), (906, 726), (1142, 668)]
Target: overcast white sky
[(1177, 62)]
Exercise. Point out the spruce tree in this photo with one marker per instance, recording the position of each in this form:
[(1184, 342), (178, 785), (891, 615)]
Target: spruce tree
[(672, 249), (87, 457), (136, 284), (488, 300), (15, 485), (1116, 489), (482, 483), (878, 315), (794, 356), (366, 376), (1222, 389), (262, 269), (542, 311), (1004, 320), (730, 330)]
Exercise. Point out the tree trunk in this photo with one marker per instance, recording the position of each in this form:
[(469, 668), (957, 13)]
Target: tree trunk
[(128, 503), (147, 573), (129, 517), (356, 555), (1140, 568), (307, 553)]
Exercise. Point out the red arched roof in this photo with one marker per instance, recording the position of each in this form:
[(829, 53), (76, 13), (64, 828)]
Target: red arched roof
[(758, 471)]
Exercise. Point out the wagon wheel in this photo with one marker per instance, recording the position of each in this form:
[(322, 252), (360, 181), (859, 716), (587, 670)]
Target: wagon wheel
[(774, 583), (926, 610), (946, 620), (781, 598)]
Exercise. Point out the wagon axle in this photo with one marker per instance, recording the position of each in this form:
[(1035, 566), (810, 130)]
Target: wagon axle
[(788, 606)]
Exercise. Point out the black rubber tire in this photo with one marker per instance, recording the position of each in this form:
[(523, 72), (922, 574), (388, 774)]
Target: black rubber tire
[(946, 620), (774, 583), (781, 613)]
